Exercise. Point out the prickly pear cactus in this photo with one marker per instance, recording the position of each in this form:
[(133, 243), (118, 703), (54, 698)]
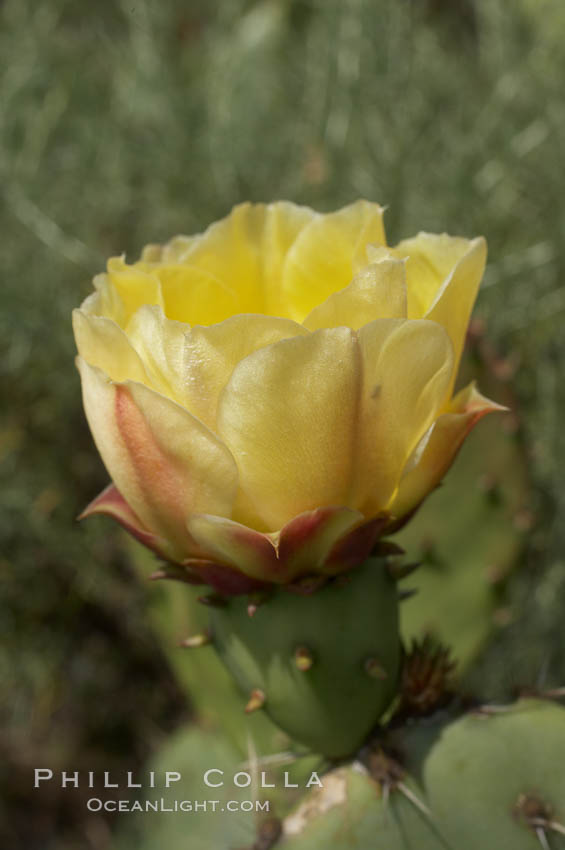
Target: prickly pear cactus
[(352, 812), (311, 661), (496, 778), (327, 670), (491, 780)]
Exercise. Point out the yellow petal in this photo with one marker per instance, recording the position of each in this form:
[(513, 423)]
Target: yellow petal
[(287, 414), (407, 367), (443, 277), (160, 343), (102, 343), (246, 251), (321, 259), (438, 448), (151, 253), (212, 353), (172, 251), (195, 296), (105, 301), (378, 291), (454, 302), (134, 286), (163, 461), (227, 251), (373, 252), (430, 258), (283, 223), (150, 351)]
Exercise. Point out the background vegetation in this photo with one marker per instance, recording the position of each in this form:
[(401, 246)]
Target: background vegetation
[(126, 122)]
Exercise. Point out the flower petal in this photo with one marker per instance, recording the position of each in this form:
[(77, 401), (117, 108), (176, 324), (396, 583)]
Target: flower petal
[(321, 259), (160, 343), (172, 251), (284, 221), (444, 274), (376, 292), (306, 542), (288, 415), (224, 580), (407, 366), (110, 502), (134, 286), (194, 296), (246, 250), (454, 302), (324, 541), (227, 252), (355, 546), (163, 461), (211, 354), (105, 301), (438, 448), (102, 343), (230, 543), (430, 259)]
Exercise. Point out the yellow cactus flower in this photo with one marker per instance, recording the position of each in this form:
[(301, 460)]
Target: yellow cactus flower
[(272, 395)]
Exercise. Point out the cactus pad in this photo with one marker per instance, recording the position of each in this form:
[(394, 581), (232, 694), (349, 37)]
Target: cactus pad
[(492, 780), (351, 812), (324, 666)]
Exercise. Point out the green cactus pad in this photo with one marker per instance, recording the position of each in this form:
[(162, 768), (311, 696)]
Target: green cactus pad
[(349, 630), (192, 752), (489, 773), (351, 813)]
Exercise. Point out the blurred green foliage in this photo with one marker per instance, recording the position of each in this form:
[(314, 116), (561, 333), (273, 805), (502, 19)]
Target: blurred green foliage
[(122, 123)]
